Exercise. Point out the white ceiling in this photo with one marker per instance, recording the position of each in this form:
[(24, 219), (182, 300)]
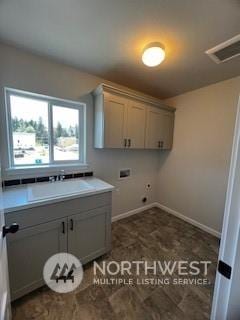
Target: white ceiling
[(106, 37)]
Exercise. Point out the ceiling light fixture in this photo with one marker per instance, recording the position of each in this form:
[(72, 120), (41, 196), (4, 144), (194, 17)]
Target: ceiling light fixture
[(153, 54)]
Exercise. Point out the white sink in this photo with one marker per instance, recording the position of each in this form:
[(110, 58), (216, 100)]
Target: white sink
[(57, 189)]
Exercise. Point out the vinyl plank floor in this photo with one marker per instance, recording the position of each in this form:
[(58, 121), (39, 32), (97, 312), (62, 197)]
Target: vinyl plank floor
[(149, 236)]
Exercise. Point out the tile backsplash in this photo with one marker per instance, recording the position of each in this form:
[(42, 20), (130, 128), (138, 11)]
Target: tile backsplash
[(16, 182)]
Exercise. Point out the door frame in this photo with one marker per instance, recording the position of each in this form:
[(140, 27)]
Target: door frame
[(5, 306), (230, 239)]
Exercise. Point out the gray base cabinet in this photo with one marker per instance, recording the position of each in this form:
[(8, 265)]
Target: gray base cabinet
[(28, 250), (88, 232), (85, 234)]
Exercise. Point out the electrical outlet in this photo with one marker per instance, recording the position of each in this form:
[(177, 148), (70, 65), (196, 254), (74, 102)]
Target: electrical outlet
[(144, 199)]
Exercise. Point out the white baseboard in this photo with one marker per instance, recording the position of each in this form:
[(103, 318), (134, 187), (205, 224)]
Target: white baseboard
[(135, 211), (189, 220), (171, 211)]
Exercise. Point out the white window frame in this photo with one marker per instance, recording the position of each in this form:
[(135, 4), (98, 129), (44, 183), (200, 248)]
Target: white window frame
[(52, 101)]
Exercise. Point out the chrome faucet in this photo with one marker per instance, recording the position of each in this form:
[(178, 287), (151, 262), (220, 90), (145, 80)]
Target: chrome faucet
[(62, 175), (52, 179)]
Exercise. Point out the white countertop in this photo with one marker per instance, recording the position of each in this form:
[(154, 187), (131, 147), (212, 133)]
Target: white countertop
[(16, 198)]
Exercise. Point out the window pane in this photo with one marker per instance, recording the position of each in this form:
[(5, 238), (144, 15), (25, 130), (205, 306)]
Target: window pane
[(30, 130), (66, 128)]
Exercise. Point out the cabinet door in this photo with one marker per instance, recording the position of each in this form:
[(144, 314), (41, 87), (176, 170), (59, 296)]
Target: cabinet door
[(136, 124), (159, 132), (154, 125), (115, 111), (167, 130), (89, 234), (28, 250)]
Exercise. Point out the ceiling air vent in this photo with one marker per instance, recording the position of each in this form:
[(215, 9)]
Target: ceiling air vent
[(226, 50)]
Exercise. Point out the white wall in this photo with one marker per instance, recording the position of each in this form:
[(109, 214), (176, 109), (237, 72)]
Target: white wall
[(192, 179), (33, 73)]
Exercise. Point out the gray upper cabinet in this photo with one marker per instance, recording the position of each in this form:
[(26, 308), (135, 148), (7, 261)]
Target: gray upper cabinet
[(115, 113), (167, 130), (153, 128), (126, 120), (159, 130), (136, 125)]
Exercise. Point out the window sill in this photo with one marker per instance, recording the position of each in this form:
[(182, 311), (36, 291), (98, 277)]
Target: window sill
[(53, 168)]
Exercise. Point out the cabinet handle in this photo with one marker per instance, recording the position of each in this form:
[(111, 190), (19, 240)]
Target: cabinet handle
[(125, 143), (63, 227), (71, 224), (13, 228), (160, 144), (129, 143)]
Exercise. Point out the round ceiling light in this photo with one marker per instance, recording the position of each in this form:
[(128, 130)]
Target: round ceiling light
[(153, 54)]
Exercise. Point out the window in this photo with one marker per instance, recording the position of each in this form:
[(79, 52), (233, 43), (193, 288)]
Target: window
[(65, 132), (43, 130)]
